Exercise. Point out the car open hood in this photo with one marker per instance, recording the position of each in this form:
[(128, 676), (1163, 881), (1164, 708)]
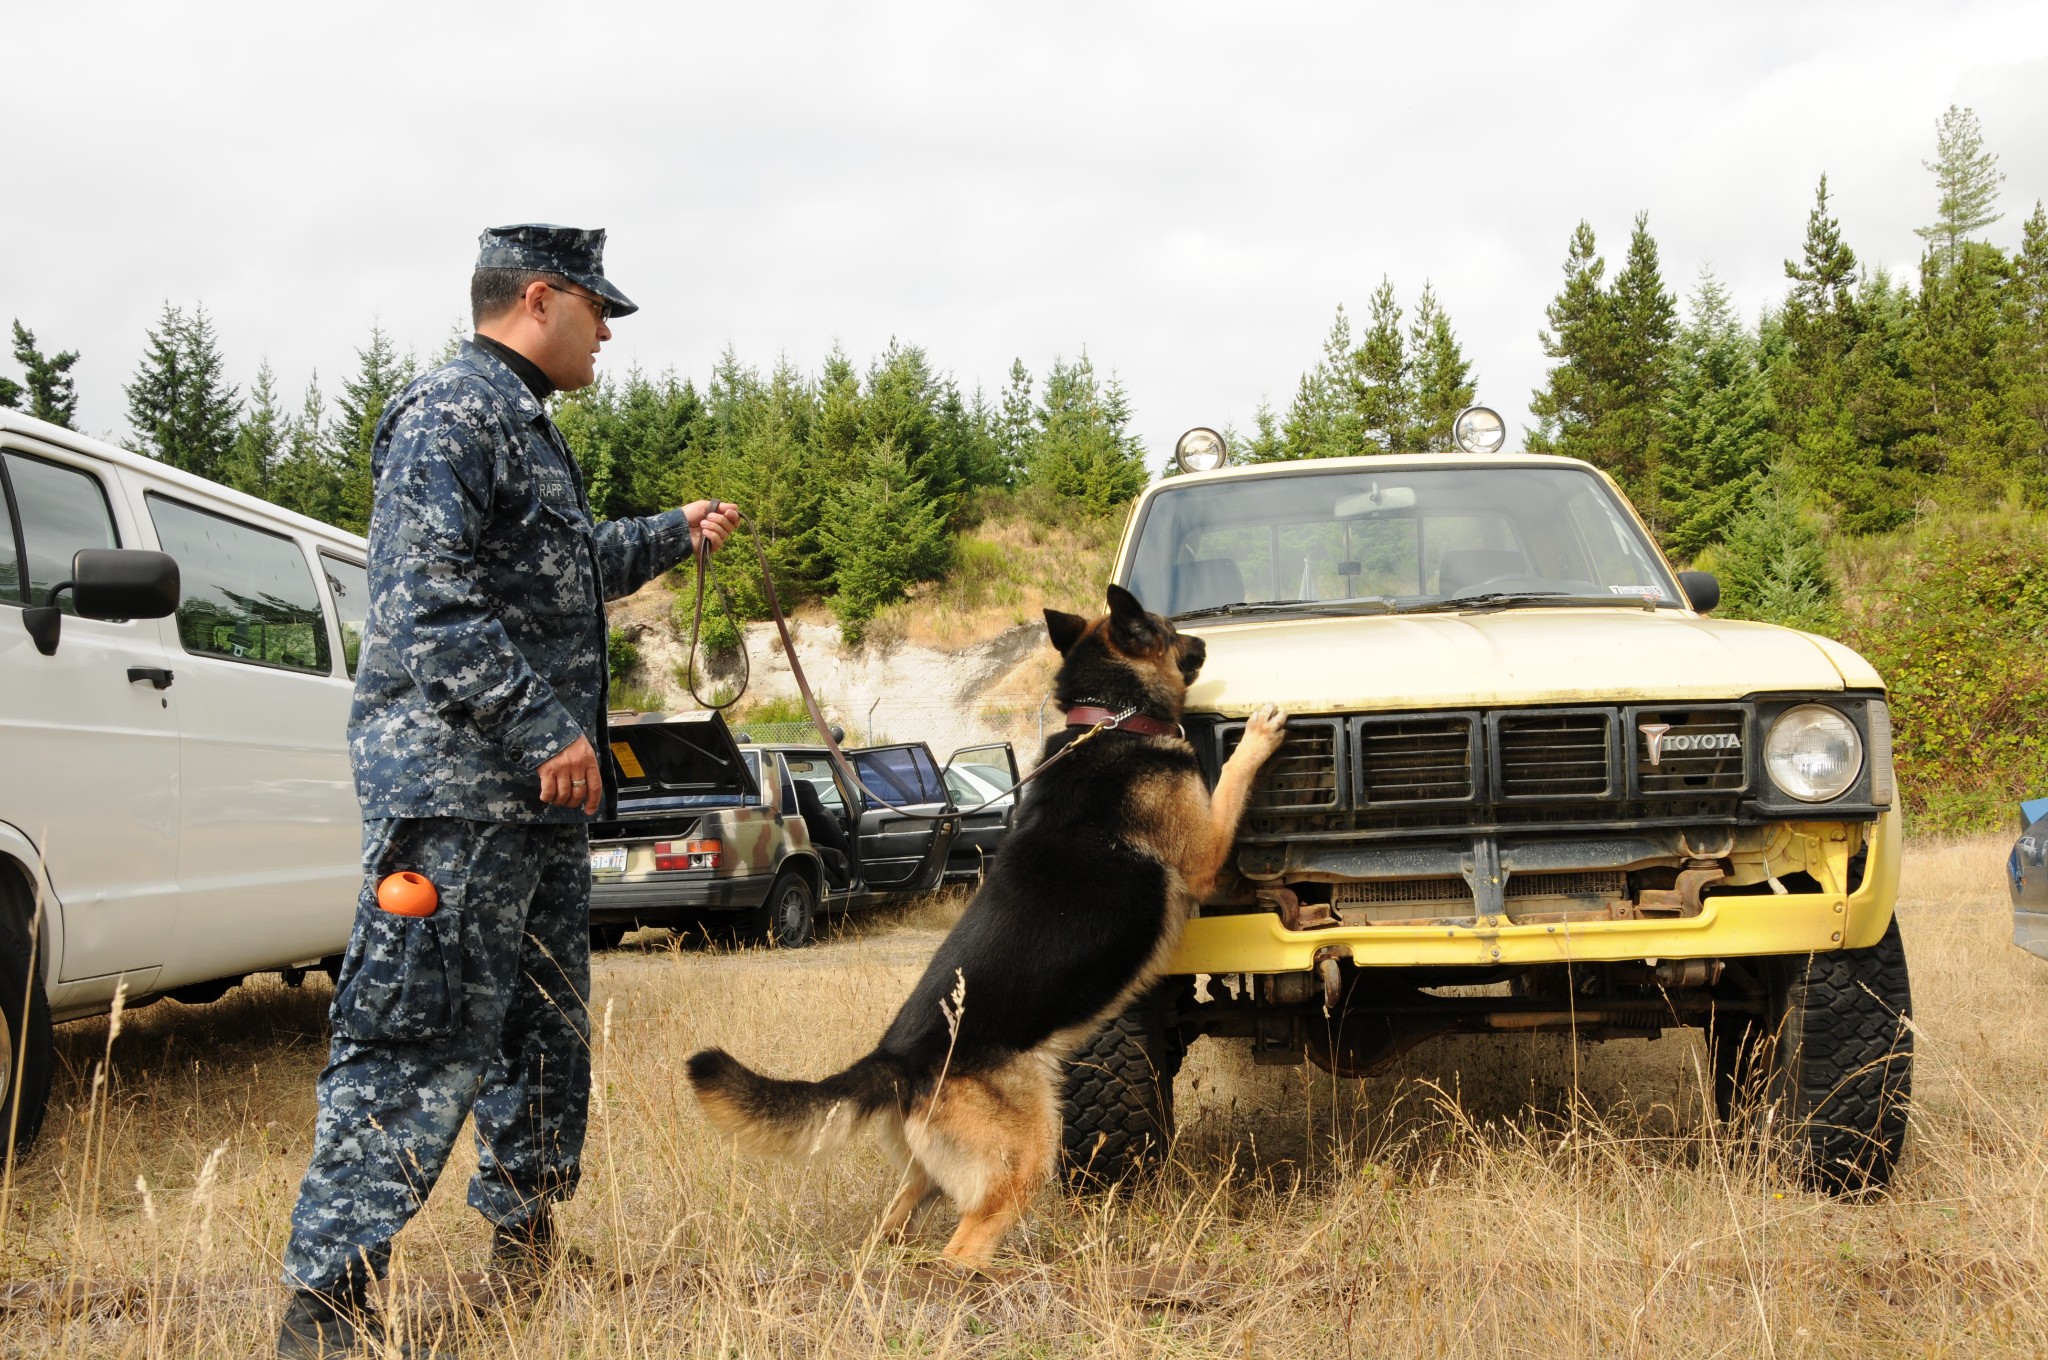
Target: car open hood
[(686, 761), (1505, 657)]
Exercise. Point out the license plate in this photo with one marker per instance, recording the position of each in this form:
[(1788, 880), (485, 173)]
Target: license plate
[(611, 861)]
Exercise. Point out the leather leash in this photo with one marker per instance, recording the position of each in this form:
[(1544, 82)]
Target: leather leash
[(1109, 722)]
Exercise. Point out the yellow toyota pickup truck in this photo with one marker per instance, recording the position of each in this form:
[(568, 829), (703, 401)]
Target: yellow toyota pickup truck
[(1528, 784)]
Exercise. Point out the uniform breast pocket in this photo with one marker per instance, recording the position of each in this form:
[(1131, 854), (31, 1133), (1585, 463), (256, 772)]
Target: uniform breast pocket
[(556, 574)]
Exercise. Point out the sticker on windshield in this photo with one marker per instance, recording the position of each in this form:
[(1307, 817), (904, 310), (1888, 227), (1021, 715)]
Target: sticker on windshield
[(1646, 592), (628, 762)]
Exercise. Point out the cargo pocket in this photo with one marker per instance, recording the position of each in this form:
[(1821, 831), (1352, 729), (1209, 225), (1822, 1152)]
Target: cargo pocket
[(402, 979)]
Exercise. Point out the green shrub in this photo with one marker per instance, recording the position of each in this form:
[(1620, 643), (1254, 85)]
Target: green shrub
[(1956, 622), (621, 655)]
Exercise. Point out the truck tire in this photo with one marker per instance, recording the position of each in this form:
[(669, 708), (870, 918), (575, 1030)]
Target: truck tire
[(788, 919), (25, 1041), (1834, 1060), (1118, 1108)]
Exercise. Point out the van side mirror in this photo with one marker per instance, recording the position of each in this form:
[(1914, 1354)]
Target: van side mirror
[(107, 583), (1702, 591)]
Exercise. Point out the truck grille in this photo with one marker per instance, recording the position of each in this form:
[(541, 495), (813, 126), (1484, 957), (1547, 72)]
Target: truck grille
[(1382, 775), (1699, 750), (1414, 760), (1301, 776), (1554, 755)]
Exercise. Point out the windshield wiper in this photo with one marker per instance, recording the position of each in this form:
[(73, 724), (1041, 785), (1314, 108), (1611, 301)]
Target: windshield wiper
[(1363, 604), (1508, 599)]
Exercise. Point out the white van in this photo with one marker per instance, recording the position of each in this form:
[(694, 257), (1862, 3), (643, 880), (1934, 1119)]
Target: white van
[(174, 791)]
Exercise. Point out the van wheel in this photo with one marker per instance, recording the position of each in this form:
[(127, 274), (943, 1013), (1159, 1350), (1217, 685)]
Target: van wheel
[(1827, 1073), (789, 918), (24, 1022), (1118, 1112)]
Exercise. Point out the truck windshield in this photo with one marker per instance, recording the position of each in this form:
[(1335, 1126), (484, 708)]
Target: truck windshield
[(1393, 540)]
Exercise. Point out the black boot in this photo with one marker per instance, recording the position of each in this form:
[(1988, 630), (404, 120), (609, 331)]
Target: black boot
[(321, 1326), (522, 1254)]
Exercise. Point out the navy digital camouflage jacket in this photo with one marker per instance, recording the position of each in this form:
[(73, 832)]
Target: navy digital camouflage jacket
[(484, 653)]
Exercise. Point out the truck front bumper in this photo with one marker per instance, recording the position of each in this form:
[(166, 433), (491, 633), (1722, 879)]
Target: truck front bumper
[(1726, 926)]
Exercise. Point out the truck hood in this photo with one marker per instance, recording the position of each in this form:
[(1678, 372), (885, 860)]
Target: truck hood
[(1508, 657)]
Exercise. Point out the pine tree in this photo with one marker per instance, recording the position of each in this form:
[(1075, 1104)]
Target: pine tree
[(1084, 451), (180, 404), (11, 393), (305, 479), (1967, 177), (1773, 565), (253, 459), (882, 533), (51, 393), (1569, 405), (1378, 379), (1016, 427), (381, 374), (1322, 421), (2025, 346), (1267, 444), (1644, 319), (1717, 424), (1440, 382)]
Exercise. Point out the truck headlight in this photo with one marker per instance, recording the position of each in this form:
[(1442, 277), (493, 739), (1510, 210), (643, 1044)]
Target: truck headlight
[(1813, 753), (1479, 430), (1201, 450)]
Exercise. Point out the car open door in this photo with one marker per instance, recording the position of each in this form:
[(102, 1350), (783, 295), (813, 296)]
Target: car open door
[(975, 775), (899, 853)]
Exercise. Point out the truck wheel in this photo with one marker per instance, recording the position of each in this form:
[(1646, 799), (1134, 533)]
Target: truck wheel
[(789, 918), (24, 1022), (1119, 1099), (1834, 1058)]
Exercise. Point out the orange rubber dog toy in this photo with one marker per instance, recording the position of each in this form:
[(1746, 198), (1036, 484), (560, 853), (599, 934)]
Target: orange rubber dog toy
[(407, 894)]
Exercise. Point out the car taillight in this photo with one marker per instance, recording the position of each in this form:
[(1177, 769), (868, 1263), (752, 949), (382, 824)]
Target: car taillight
[(688, 854)]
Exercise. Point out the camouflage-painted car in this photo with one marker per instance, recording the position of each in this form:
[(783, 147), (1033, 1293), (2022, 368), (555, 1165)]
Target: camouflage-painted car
[(710, 832)]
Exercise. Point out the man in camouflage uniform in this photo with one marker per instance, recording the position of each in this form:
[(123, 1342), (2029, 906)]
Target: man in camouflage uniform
[(479, 711)]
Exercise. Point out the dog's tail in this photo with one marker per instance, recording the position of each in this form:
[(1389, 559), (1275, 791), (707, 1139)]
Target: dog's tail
[(777, 1118)]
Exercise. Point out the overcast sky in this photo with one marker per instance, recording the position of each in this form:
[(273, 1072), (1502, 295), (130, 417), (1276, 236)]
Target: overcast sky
[(1187, 190)]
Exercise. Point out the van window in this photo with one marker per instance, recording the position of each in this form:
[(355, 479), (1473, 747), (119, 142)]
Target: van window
[(247, 593), (10, 551), (62, 510), (348, 585)]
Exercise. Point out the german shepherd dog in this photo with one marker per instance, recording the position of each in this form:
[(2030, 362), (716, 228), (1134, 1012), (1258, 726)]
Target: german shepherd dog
[(1110, 850)]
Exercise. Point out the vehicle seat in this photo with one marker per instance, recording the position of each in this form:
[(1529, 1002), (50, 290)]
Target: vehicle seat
[(1204, 582), (828, 837), (1463, 568)]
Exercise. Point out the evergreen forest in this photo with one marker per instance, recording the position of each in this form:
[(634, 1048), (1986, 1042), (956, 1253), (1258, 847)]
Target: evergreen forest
[(1867, 458)]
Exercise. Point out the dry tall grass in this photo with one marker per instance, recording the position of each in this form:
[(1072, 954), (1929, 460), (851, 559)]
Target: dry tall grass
[(1507, 1197)]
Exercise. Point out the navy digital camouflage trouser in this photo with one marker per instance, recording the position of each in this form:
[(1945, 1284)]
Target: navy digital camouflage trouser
[(478, 1007)]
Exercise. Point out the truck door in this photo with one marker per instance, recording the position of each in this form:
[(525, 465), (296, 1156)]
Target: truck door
[(91, 754), (900, 853)]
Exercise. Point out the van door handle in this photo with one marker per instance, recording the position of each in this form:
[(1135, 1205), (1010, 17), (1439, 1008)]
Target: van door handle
[(156, 675)]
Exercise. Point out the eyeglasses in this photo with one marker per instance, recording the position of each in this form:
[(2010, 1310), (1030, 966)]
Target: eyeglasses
[(597, 304)]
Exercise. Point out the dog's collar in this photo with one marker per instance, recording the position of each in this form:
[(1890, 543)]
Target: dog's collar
[(1129, 720)]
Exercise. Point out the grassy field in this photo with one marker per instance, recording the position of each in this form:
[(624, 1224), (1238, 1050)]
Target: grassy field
[(1523, 1197)]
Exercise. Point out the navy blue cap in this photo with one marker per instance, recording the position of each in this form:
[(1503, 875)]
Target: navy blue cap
[(571, 252)]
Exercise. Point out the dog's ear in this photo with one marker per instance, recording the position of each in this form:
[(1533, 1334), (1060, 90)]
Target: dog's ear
[(1130, 627), (1124, 606), (1064, 629)]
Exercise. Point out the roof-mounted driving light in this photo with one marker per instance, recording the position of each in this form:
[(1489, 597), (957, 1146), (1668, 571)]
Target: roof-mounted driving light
[(1479, 430), (1201, 450)]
